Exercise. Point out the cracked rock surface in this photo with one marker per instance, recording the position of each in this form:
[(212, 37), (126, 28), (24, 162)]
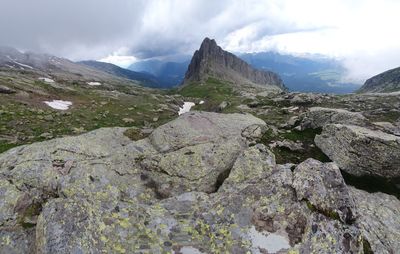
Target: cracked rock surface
[(318, 117), (198, 184), (361, 151)]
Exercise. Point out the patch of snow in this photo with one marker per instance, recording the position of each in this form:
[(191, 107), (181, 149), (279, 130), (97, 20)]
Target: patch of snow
[(270, 242), (48, 80), (59, 104), (186, 107), (23, 65), (94, 83), (190, 250), (201, 102)]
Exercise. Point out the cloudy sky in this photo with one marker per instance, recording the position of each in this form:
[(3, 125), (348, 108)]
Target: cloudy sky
[(363, 34)]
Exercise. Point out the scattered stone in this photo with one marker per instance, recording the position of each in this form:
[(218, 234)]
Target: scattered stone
[(128, 120), (46, 135), (48, 118), (223, 105), (291, 145), (78, 130), (6, 90)]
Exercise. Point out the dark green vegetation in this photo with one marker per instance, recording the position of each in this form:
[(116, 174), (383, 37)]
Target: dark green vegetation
[(135, 134), (328, 213), (305, 138), (213, 92), (373, 184)]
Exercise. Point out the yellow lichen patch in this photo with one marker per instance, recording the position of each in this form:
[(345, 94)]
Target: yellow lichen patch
[(103, 239), (118, 248), (125, 223), (6, 240)]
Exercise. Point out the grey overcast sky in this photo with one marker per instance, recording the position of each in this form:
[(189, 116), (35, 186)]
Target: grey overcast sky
[(363, 34)]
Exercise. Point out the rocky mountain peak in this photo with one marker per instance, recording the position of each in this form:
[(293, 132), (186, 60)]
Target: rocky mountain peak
[(212, 61)]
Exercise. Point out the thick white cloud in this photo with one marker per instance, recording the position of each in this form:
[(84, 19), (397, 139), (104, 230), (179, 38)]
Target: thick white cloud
[(362, 33)]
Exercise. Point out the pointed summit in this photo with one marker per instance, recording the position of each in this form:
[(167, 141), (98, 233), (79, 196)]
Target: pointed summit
[(212, 61)]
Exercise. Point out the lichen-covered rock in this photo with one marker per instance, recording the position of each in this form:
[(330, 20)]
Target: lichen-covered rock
[(193, 186), (197, 151), (379, 220), (199, 128), (318, 117), (68, 226), (361, 151), (322, 185), (256, 162)]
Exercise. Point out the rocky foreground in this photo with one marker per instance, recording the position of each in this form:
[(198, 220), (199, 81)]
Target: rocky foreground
[(199, 184)]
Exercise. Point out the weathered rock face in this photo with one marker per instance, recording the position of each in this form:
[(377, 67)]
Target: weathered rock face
[(379, 220), (389, 127), (318, 117), (388, 81), (323, 187), (212, 61), (361, 151), (193, 186)]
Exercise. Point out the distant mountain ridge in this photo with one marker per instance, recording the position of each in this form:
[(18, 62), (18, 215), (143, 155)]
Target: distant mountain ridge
[(43, 65), (168, 74), (386, 82), (212, 61), (299, 73), (143, 78), (304, 73)]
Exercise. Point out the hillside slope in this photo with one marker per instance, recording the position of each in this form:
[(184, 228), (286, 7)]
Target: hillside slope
[(142, 78), (388, 81)]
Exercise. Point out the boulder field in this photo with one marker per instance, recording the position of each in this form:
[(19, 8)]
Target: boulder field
[(199, 184)]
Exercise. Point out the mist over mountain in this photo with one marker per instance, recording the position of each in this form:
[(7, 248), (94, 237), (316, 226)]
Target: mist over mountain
[(304, 74), (142, 78), (168, 74)]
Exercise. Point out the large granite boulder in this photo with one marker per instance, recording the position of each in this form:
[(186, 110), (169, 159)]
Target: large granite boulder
[(379, 220), (194, 186), (361, 151), (322, 185), (318, 117)]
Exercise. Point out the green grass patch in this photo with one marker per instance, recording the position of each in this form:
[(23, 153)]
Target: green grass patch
[(284, 155), (6, 146), (213, 92)]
